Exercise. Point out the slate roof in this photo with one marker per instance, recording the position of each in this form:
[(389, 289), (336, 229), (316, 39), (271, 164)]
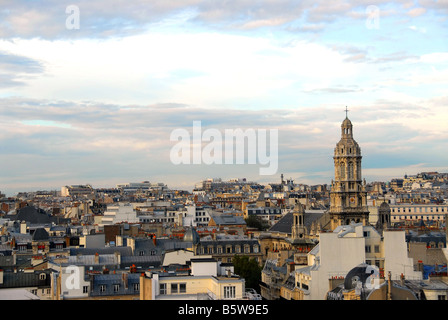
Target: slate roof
[(152, 260), (145, 247), (124, 251), (32, 215), (435, 237), (270, 266), (89, 260), (227, 219), (6, 262), (173, 244), (285, 223), (109, 281), (40, 234), (25, 279)]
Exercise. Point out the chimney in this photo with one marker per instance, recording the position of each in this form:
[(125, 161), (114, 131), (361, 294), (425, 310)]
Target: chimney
[(97, 258), (118, 257), (420, 265), (154, 239), (389, 286), (124, 278), (23, 229), (1, 276), (290, 267), (402, 279)]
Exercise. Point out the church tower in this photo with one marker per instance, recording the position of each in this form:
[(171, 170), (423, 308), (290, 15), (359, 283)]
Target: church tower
[(298, 225), (348, 196), (384, 217)]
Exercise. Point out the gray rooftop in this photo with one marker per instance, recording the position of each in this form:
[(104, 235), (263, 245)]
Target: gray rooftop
[(284, 225)]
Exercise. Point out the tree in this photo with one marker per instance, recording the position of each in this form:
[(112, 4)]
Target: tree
[(248, 269), (255, 222)]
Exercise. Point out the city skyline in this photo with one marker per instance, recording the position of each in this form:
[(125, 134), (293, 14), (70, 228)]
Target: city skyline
[(96, 103)]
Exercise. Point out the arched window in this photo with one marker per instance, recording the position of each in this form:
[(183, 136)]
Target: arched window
[(350, 170), (342, 170)]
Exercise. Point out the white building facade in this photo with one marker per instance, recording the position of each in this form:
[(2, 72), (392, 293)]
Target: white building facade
[(348, 246)]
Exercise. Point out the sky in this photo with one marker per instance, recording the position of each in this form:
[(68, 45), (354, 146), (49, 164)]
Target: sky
[(91, 91)]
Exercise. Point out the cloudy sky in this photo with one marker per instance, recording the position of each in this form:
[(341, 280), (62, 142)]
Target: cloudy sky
[(90, 91)]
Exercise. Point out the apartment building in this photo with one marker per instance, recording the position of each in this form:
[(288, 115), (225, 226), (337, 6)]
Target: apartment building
[(205, 282), (416, 212)]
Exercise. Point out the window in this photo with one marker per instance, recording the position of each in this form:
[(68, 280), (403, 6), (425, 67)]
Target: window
[(162, 288), (85, 289), (42, 276), (182, 287), (136, 286), (174, 288), (368, 249), (229, 292), (116, 287), (377, 249), (102, 288), (441, 297)]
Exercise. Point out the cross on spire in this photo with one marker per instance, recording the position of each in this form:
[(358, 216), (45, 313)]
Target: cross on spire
[(346, 112)]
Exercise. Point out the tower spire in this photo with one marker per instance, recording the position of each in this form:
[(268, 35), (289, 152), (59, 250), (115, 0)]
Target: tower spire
[(348, 197), (346, 112)]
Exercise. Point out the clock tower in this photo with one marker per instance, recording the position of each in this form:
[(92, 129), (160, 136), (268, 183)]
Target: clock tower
[(348, 196)]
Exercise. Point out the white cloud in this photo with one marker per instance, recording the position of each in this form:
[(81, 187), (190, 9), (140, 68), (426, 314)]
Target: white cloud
[(435, 57), (124, 70), (415, 12)]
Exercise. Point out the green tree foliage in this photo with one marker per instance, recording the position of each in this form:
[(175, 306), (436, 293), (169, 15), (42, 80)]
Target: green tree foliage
[(255, 222), (248, 269)]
